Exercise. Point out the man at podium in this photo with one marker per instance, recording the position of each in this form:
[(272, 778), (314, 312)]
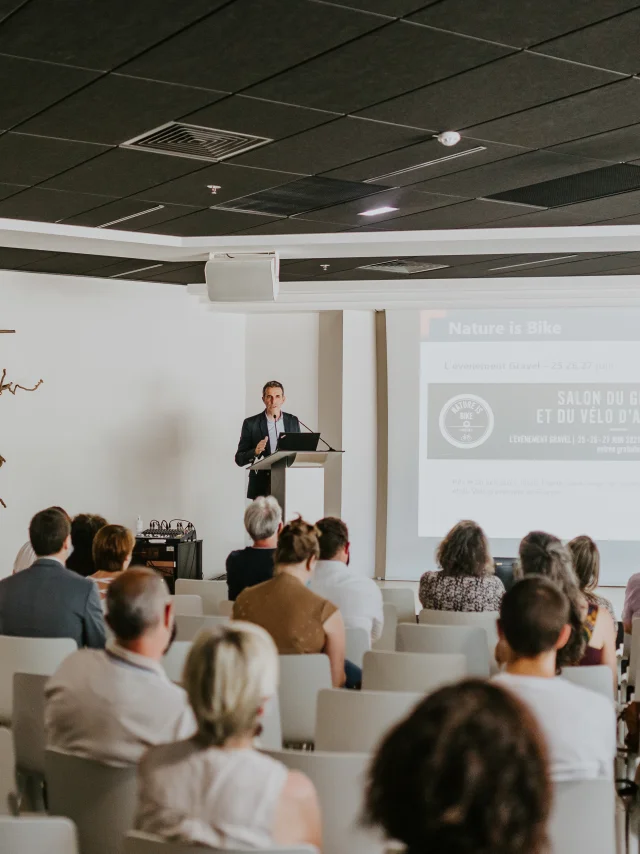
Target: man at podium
[(259, 436)]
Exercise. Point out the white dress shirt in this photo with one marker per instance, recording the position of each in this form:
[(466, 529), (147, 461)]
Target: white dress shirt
[(357, 597), (275, 429)]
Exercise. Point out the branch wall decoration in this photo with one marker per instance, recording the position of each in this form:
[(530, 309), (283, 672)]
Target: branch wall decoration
[(12, 388)]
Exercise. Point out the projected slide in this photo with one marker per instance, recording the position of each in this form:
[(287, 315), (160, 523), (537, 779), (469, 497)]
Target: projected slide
[(530, 419)]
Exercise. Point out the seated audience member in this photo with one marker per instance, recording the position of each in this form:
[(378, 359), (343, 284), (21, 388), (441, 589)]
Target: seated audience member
[(26, 555), (215, 789), (111, 705), (254, 564), (84, 527), (579, 724), (298, 620), (357, 597), (585, 557), (631, 607), (47, 600), (593, 635), (466, 579), (466, 771), (112, 551)]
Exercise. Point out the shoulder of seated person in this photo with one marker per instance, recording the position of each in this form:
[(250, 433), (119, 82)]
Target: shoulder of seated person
[(298, 786)]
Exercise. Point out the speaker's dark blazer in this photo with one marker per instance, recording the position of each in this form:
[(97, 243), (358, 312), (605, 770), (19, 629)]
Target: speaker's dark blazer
[(50, 601), (254, 430)]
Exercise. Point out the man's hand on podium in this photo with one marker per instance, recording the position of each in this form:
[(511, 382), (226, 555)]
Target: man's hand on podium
[(261, 446)]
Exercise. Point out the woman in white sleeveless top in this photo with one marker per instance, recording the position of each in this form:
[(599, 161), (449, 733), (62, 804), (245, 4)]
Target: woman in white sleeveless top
[(216, 789)]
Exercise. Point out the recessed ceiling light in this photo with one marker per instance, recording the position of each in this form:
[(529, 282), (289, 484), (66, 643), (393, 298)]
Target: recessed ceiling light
[(378, 211)]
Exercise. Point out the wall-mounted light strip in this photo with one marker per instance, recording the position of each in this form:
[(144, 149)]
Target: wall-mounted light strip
[(138, 270), (131, 216), (532, 263), (427, 163)]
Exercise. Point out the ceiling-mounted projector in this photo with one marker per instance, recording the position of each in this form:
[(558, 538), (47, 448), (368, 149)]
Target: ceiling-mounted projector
[(245, 277)]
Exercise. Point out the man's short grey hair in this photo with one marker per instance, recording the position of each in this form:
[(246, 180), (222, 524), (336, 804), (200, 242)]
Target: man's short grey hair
[(135, 602), (263, 517)]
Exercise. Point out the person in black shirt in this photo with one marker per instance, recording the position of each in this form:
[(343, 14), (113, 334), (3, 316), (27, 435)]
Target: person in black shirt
[(254, 564)]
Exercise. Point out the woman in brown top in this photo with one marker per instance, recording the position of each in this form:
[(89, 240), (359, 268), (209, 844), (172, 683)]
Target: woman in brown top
[(299, 621), (112, 550)]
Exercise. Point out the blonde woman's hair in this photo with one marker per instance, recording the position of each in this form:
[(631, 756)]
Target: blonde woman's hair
[(229, 673)]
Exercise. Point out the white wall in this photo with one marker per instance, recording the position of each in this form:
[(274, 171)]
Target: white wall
[(139, 413)]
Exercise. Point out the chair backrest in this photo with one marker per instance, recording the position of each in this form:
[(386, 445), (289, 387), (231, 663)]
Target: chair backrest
[(301, 677), (143, 843), (7, 773), (99, 799), (355, 721), (187, 603), (271, 736), (480, 619), (173, 661), (211, 592), (387, 640), (339, 779), (471, 641), (29, 739), (404, 600), (225, 608), (411, 671), (358, 641), (28, 655), (583, 817), (597, 678), (38, 835), (188, 625), (634, 655)]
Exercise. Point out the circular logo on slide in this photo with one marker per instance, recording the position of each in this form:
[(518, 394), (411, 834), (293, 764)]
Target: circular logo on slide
[(466, 421)]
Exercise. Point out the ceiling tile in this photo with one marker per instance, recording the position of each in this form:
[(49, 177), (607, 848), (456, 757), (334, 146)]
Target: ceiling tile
[(406, 202), (586, 267), (123, 172), (29, 86), (257, 117), (356, 75), (528, 168), (249, 40), (608, 107), (618, 145), (584, 213), (31, 159), (508, 85), (72, 263), (610, 44), (425, 160), (527, 23), (233, 182), (462, 215), (116, 108), (43, 205), (395, 9), (94, 33), (208, 223), (329, 146), (7, 190), (557, 217), (292, 226), (192, 275), (12, 259), (143, 214)]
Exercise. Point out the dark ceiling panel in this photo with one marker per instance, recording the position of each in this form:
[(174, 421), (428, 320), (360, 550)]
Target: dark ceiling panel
[(462, 215), (31, 159), (115, 108), (11, 259), (29, 86), (208, 223), (95, 33), (602, 109), (249, 40), (192, 275), (7, 190), (260, 118), (293, 226), (587, 267), (233, 182), (585, 213), (143, 214), (610, 44), (508, 85), (521, 24), (48, 205), (133, 268), (431, 159), (406, 202), (74, 264), (122, 172), (396, 9), (355, 75), (556, 217), (617, 145), (329, 146), (505, 175)]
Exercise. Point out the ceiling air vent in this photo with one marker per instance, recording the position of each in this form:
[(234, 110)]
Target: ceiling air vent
[(199, 143), (404, 267)]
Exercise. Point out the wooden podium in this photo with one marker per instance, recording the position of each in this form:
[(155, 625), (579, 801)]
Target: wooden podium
[(297, 481)]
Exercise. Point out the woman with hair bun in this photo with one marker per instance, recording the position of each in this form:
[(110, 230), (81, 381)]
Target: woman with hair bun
[(466, 771), (299, 621)]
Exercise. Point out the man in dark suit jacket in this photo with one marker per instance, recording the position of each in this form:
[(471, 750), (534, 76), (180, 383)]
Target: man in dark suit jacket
[(259, 436), (47, 600)]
